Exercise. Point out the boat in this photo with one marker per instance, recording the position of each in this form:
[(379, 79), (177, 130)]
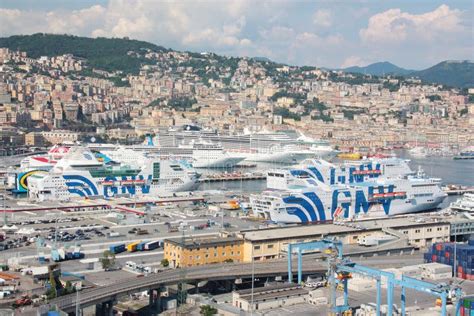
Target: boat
[(350, 171), (464, 204), (299, 198), (80, 174), (35, 164), (209, 155), (467, 153), (262, 142)]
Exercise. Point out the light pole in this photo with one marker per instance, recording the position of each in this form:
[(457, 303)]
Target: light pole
[(253, 280), (455, 252)]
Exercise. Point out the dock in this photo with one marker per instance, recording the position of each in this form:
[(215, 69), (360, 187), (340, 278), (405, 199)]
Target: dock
[(458, 191)]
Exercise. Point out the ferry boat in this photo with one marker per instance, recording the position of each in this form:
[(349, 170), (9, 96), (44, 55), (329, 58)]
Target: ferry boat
[(467, 153), (302, 197), (80, 174), (351, 171), (36, 164)]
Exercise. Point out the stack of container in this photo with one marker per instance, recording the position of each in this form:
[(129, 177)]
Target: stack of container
[(467, 306), (444, 253)]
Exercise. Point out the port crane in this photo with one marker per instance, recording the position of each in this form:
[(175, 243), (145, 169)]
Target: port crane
[(340, 271)]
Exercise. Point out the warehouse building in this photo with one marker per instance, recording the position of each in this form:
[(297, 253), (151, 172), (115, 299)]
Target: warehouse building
[(269, 297), (190, 252), (272, 243)]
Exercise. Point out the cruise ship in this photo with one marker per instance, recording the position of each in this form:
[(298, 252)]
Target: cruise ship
[(208, 155), (302, 197), (288, 154), (199, 155), (258, 143), (80, 174)]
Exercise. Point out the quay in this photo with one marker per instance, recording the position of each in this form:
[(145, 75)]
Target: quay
[(458, 191)]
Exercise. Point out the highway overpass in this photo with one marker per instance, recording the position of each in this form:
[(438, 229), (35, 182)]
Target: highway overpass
[(228, 271)]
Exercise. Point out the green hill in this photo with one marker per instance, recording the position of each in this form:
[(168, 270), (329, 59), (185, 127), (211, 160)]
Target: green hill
[(379, 69), (108, 54), (451, 73)]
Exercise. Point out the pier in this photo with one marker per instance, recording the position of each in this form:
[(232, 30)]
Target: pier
[(458, 190)]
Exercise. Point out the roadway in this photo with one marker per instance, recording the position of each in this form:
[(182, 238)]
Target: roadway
[(190, 275)]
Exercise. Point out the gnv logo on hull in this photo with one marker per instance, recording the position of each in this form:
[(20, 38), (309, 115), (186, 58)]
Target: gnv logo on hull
[(309, 207), (110, 191)]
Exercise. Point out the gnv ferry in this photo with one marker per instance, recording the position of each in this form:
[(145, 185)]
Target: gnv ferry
[(304, 198), (352, 172), (80, 174)]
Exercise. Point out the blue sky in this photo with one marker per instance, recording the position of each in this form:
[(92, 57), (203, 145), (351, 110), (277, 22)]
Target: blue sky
[(411, 34)]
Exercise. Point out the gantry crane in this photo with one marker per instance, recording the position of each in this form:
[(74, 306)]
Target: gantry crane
[(340, 271)]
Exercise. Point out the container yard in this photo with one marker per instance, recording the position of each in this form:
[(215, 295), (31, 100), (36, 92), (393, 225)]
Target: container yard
[(459, 256)]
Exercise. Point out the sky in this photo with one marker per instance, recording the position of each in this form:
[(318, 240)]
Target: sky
[(413, 34)]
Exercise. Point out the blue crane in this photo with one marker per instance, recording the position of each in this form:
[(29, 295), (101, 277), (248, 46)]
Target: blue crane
[(340, 271)]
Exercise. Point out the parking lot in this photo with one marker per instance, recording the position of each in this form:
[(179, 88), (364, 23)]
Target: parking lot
[(94, 230)]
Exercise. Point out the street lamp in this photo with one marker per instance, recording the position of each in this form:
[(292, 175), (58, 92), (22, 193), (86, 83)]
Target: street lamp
[(253, 280)]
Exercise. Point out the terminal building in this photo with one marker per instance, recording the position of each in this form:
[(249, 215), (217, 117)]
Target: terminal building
[(188, 252)]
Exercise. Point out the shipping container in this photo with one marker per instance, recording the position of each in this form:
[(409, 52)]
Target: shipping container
[(131, 247), (152, 245), (141, 246), (117, 248)]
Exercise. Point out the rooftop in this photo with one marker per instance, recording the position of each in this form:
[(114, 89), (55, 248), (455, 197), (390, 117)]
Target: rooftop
[(342, 228), (272, 292), (192, 243)]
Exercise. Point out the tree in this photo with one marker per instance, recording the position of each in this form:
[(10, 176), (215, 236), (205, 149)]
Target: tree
[(207, 310), (165, 263), (52, 291), (107, 260)]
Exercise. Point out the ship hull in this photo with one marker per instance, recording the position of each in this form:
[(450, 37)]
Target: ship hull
[(225, 162)]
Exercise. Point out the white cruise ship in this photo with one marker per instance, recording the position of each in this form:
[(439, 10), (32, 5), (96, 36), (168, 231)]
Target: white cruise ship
[(288, 154), (208, 155), (252, 142), (80, 174), (296, 197)]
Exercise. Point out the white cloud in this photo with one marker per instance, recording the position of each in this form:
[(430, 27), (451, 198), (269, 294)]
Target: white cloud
[(322, 17), (277, 33), (312, 39), (283, 30), (396, 26)]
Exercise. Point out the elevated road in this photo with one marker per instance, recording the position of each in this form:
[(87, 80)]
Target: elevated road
[(211, 272)]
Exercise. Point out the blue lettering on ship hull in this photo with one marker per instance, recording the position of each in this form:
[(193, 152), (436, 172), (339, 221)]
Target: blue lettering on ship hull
[(305, 211), (110, 191)]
